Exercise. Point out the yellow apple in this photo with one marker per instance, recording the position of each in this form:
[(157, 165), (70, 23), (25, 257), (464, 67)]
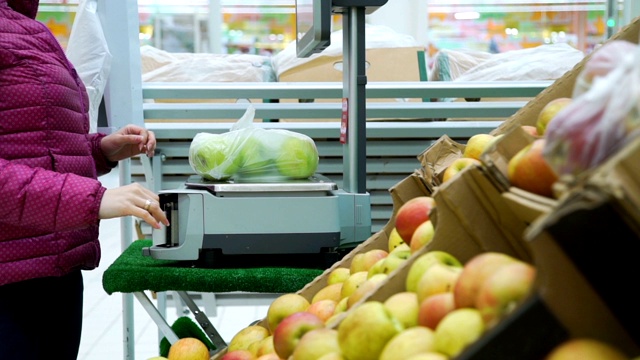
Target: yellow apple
[(394, 260), (332, 356), (290, 331), (331, 292), (353, 282), (245, 337), (428, 356), (586, 349), (422, 236), (458, 165), (457, 330), (409, 342), (476, 145), (364, 261), (549, 112), (404, 306), (188, 348), (394, 239), (265, 346), (438, 278), (365, 330), (365, 289), (283, 306), (338, 275), (316, 343), (474, 273), (423, 262)]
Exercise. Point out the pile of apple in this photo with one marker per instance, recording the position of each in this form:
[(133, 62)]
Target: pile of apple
[(445, 307)]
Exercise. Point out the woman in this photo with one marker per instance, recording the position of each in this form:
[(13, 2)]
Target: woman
[(52, 202)]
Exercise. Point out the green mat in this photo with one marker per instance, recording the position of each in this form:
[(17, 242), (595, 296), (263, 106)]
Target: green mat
[(134, 272)]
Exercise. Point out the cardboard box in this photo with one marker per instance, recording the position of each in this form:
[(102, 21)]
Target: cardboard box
[(382, 65)]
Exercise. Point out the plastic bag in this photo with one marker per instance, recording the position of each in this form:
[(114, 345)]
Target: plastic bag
[(597, 123), (88, 52), (606, 58), (249, 153)]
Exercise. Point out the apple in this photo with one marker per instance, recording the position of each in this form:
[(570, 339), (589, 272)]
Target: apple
[(297, 157), (428, 356), (395, 259), (530, 171), (264, 346), (423, 262), (254, 157), (365, 289), (365, 260), (474, 273), (476, 145), (422, 236), (332, 356), (411, 214), (438, 278), (365, 330), (213, 156), (458, 165), (586, 349), (531, 130), (434, 308), (338, 275), (238, 355), (188, 348), (158, 358), (248, 335), (323, 309), (316, 343), (291, 329), (405, 307), (408, 342), (283, 306), (330, 292), (353, 282), (341, 307), (549, 111), (457, 330), (270, 356), (504, 290), (394, 239)]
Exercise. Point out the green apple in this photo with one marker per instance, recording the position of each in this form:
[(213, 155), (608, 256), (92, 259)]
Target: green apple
[(405, 307), (297, 157), (457, 330), (409, 342), (423, 262), (255, 156), (214, 156), (395, 239), (365, 330), (316, 343)]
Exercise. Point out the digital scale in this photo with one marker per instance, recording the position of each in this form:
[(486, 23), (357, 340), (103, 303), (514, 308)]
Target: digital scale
[(307, 216)]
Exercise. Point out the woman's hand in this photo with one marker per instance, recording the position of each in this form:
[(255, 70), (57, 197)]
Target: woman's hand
[(129, 141), (133, 199)]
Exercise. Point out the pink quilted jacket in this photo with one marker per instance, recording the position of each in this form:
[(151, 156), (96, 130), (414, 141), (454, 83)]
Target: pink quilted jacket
[(49, 164)]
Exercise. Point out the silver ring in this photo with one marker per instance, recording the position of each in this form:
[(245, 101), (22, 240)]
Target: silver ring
[(147, 204)]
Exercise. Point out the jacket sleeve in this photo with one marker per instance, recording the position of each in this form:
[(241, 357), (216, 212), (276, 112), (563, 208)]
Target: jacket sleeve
[(103, 165), (46, 200)]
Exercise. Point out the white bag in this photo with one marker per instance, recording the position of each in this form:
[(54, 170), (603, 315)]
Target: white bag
[(88, 52)]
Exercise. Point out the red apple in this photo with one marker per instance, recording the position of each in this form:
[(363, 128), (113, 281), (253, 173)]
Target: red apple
[(422, 236), (528, 170), (504, 290), (434, 308), (411, 214), (323, 309), (189, 348), (237, 355), (458, 165), (473, 275), (288, 333)]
